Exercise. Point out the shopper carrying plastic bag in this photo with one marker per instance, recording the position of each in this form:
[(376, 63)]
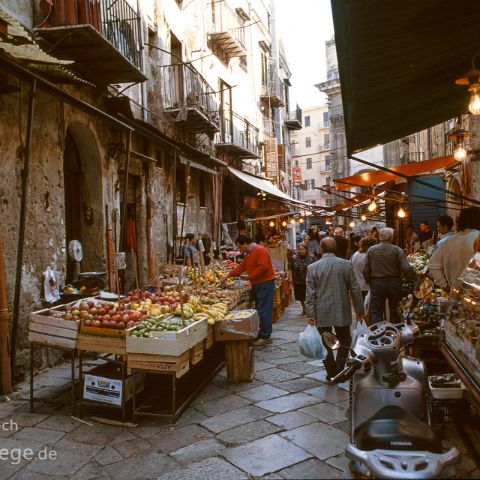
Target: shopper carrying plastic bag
[(311, 345)]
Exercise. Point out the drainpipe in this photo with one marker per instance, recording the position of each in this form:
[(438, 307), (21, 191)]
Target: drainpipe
[(21, 228), (5, 375), (276, 56), (143, 86)]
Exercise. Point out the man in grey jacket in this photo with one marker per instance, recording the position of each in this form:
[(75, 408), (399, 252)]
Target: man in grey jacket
[(330, 283), (383, 268)]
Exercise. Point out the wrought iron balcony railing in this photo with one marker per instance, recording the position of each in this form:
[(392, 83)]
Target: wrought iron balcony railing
[(102, 36), (238, 136), (227, 35), (188, 96)]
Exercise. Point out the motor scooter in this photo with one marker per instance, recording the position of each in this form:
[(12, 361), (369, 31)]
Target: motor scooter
[(390, 432)]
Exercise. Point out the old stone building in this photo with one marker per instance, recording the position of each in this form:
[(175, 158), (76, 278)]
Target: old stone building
[(118, 126)]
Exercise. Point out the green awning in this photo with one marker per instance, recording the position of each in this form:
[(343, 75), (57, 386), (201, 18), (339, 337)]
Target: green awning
[(398, 61)]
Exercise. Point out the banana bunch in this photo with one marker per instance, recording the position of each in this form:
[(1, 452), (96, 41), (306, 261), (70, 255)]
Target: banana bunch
[(238, 315), (216, 311), (195, 302), (188, 310)]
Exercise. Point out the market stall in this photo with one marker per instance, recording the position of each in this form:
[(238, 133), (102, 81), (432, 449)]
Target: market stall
[(175, 329)]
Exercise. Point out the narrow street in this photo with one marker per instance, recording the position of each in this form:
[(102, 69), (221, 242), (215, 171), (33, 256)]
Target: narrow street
[(287, 423)]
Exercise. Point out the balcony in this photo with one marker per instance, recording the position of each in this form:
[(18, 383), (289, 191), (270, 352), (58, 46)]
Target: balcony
[(294, 120), (273, 94), (101, 36), (227, 36), (188, 97), (238, 137)]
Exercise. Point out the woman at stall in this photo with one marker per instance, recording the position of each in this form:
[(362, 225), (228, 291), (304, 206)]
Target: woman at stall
[(297, 273)]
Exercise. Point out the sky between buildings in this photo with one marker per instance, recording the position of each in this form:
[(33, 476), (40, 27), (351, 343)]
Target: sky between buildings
[(305, 25)]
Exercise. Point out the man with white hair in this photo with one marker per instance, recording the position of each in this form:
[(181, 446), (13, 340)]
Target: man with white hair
[(383, 267)]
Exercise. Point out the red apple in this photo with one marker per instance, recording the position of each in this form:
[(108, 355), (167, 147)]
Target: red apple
[(88, 323)]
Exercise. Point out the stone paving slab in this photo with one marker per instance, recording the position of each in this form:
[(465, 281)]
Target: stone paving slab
[(71, 456), (148, 466), (266, 455), (299, 367), (287, 403), (171, 439), (247, 433), (275, 375), (298, 384), (210, 468), (291, 420), (198, 451), (284, 360), (228, 420), (265, 392), (322, 441), (309, 469), (222, 405), (329, 393), (326, 412)]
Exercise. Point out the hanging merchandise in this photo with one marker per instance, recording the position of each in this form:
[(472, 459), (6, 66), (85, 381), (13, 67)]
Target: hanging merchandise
[(51, 285)]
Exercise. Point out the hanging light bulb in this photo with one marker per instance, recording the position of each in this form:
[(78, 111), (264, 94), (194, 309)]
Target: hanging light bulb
[(401, 213), (301, 220), (460, 154), (363, 218), (284, 223), (351, 224), (372, 206), (292, 221), (271, 224), (458, 137), (474, 105)]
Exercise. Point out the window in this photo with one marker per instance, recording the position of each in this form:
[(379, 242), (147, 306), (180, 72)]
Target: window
[(326, 119), (326, 141), (328, 202), (328, 162), (310, 184), (308, 142), (309, 163), (307, 120), (327, 181), (242, 62), (312, 202)]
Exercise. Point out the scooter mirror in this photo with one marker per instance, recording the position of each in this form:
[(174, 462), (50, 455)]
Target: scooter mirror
[(331, 340)]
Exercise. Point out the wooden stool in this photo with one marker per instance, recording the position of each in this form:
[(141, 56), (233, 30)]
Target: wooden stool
[(239, 359)]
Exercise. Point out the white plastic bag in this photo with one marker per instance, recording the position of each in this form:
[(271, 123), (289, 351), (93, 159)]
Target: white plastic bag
[(51, 287), (311, 345), (359, 328)]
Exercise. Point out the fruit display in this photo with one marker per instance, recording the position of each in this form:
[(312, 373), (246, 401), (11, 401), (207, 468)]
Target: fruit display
[(163, 323)]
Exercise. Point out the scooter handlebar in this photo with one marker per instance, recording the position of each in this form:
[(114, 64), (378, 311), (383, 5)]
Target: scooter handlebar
[(347, 372)]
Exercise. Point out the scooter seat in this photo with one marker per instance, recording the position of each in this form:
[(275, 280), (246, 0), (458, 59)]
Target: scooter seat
[(392, 428)]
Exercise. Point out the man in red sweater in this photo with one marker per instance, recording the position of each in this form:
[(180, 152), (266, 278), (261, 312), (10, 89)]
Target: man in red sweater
[(258, 264)]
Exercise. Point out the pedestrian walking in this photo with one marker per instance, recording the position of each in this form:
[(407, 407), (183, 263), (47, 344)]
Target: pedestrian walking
[(330, 284), (342, 243), (297, 272), (383, 268), (411, 240), (258, 264), (453, 255), (445, 225), (425, 235), (358, 262)]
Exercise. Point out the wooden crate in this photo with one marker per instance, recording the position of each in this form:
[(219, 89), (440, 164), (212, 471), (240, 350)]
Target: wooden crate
[(210, 339), (196, 353), (97, 343), (169, 343), (53, 332), (159, 363), (239, 358)]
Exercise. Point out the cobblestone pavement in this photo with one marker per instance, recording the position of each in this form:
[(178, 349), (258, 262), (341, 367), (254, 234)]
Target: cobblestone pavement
[(287, 423)]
